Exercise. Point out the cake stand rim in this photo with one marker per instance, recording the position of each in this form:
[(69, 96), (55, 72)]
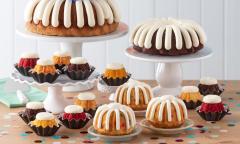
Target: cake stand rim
[(120, 32), (17, 79), (205, 53)]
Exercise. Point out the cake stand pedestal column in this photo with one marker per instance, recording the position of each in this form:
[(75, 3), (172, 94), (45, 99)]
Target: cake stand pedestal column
[(169, 70), (169, 78), (55, 102)]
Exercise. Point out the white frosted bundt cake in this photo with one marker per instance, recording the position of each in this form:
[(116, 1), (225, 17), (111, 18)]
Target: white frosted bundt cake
[(72, 17), (114, 119), (166, 112), (134, 94), (170, 37)]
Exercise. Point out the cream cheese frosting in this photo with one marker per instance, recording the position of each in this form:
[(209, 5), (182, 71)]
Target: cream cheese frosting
[(44, 116), (115, 66), (185, 31), (78, 60), (45, 62), (86, 96), (212, 99), (34, 105), (48, 11), (208, 81), (62, 53), (190, 89), (29, 55), (73, 109)]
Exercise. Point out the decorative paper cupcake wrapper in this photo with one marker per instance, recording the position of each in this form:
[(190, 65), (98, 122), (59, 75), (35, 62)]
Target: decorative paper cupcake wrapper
[(79, 75), (25, 118), (117, 81), (91, 112), (192, 105), (212, 89), (212, 116), (23, 71), (48, 131), (61, 68), (73, 123), (42, 78)]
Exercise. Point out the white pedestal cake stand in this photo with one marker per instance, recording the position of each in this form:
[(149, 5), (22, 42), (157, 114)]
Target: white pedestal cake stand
[(74, 46), (169, 70), (55, 101)]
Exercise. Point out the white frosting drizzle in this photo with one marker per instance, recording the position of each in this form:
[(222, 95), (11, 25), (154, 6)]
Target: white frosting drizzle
[(115, 66), (86, 96), (212, 99), (44, 116), (34, 105), (190, 89), (73, 109), (189, 31), (43, 10), (78, 60), (116, 108), (29, 55), (163, 101), (129, 86), (62, 53), (45, 62), (208, 81)]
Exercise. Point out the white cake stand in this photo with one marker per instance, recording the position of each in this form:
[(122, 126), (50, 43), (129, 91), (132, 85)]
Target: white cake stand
[(169, 70), (74, 45), (55, 101)]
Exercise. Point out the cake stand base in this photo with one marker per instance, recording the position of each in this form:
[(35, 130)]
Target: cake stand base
[(169, 70), (55, 102)]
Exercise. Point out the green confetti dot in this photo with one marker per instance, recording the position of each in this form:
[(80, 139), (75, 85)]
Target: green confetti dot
[(56, 137), (191, 136), (24, 134), (238, 105)]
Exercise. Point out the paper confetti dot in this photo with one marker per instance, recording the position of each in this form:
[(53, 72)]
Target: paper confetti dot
[(231, 124), (38, 141), (64, 137), (71, 141), (56, 137), (199, 126), (238, 105), (7, 117), (95, 139), (28, 132), (179, 140), (192, 142), (223, 131), (23, 134), (214, 136), (84, 132), (191, 136), (7, 126), (154, 138), (216, 127), (4, 133), (56, 143), (87, 141)]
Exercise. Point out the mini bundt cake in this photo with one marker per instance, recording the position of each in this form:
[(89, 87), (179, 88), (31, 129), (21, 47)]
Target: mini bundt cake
[(115, 74), (79, 69), (61, 59), (27, 62), (134, 94), (209, 85), (114, 119), (88, 102), (212, 108), (191, 96), (45, 71), (170, 37), (72, 17), (166, 112)]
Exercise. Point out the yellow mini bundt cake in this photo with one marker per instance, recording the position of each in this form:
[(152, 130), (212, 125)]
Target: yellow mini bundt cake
[(45, 66), (115, 75), (115, 70), (191, 96), (166, 112), (114, 119), (134, 94)]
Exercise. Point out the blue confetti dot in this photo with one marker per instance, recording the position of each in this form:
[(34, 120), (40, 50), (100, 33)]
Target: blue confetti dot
[(189, 129), (56, 137), (24, 134), (238, 105)]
